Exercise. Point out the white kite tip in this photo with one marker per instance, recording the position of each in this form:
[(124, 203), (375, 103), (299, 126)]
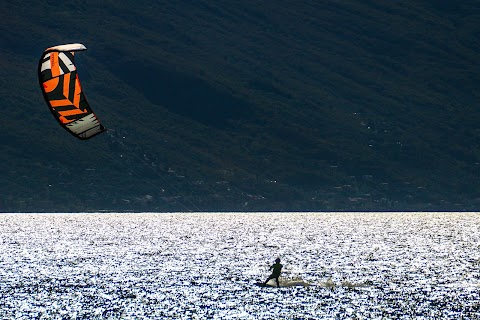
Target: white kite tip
[(68, 47)]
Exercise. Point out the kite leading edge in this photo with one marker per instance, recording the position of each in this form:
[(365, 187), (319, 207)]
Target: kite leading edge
[(63, 93)]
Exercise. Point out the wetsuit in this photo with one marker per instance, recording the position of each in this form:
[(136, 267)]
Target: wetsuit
[(277, 269)]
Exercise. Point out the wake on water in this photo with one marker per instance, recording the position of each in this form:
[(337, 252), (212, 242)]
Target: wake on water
[(299, 282)]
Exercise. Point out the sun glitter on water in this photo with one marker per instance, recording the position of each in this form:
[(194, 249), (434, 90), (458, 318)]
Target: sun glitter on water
[(205, 265)]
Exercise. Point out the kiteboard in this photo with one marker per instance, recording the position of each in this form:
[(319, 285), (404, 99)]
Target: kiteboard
[(284, 283), (267, 285), (261, 284)]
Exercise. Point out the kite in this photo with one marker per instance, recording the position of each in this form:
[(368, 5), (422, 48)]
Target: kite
[(63, 93)]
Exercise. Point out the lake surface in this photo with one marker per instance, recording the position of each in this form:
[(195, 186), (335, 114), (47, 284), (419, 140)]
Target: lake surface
[(205, 265)]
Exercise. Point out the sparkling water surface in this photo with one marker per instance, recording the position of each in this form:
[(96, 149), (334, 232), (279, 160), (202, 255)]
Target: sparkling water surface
[(205, 266)]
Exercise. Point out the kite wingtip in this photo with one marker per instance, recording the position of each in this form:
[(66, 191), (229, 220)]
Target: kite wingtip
[(68, 47)]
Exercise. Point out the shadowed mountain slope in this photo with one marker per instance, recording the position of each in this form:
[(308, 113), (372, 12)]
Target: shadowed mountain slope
[(311, 105)]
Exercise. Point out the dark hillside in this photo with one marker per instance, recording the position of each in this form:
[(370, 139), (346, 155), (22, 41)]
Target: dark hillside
[(310, 105)]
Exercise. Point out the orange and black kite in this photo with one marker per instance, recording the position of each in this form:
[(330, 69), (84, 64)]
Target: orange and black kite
[(63, 93)]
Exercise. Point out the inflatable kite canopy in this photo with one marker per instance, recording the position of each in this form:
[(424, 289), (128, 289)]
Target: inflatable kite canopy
[(63, 93)]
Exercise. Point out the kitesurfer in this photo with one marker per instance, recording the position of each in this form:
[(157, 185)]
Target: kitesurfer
[(277, 269)]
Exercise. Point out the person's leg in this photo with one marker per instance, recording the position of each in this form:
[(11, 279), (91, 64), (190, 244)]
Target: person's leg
[(278, 282), (268, 279)]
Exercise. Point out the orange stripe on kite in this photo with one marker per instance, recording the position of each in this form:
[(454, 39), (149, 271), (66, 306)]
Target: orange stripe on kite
[(60, 103), (55, 67), (65, 120), (72, 112), (66, 84), (50, 85), (78, 91)]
